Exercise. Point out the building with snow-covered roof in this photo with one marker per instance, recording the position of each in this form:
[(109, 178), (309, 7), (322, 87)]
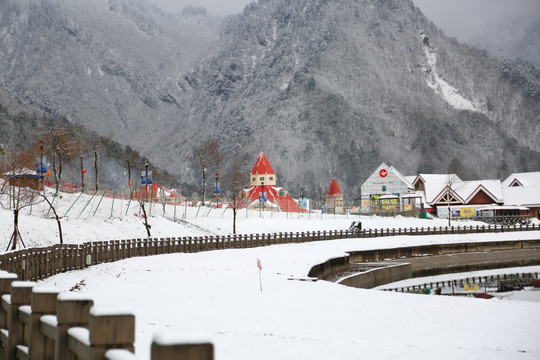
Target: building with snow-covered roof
[(523, 189), (387, 190), (444, 192), (159, 193), (264, 194), (333, 199), (530, 179)]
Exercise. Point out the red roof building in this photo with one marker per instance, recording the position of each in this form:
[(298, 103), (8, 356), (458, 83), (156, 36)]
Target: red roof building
[(264, 193), (159, 193), (333, 198)]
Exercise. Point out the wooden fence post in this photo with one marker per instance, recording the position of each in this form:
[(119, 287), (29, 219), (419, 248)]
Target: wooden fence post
[(70, 311), (165, 347), (110, 331), (21, 294), (43, 303), (5, 288)]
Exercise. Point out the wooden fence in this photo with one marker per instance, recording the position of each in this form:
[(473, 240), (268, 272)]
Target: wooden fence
[(40, 323), (38, 263)]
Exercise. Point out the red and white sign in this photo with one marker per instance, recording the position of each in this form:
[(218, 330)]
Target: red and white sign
[(383, 173)]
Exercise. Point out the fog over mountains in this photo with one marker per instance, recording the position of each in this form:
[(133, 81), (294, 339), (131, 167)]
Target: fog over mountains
[(326, 89)]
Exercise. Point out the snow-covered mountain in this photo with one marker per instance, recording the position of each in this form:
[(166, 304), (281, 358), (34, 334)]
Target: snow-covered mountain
[(111, 65), (327, 89), (332, 88)]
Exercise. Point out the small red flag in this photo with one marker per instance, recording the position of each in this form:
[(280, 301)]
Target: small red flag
[(259, 264)]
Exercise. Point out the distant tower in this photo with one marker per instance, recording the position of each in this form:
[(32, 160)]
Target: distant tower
[(262, 172), (333, 198)]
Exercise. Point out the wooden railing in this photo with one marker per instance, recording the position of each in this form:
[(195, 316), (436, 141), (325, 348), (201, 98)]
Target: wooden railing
[(498, 282), (44, 324), (41, 323), (38, 263)]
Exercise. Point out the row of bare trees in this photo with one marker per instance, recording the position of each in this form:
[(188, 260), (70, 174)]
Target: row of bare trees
[(20, 187), (22, 176), (209, 155)]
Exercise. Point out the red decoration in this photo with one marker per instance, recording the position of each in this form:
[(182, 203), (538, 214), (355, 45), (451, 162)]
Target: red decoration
[(84, 171), (383, 173)]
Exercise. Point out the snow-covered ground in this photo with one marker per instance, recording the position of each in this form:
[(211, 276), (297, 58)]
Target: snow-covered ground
[(217, 295)]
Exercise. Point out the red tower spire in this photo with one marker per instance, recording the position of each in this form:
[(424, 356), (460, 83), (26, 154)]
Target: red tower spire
[(333, 189), (262, 166)]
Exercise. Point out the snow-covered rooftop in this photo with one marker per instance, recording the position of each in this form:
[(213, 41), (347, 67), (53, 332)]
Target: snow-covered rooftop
[(526, 196), (438, 184), (523, 179)]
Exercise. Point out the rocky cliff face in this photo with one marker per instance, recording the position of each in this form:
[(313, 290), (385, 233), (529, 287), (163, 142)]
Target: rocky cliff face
[(326, 89), (111, 65)]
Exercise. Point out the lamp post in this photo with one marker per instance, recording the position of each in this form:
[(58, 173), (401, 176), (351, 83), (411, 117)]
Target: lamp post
[(301, 205), (216, 189), (261, 199), (41, 146), (83, 170), (146, 179)]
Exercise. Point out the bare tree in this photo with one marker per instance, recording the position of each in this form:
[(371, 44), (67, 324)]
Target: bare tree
[(63, 146), (142, 196), (238, 183), (21, 188), (453, 183), (96, 178), (56, 216), (207, 155)]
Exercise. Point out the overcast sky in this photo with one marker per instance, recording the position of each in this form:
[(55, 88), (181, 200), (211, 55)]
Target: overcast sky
[(464, 19)]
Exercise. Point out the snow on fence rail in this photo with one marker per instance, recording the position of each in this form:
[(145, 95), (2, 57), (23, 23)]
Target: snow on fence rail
[(38, 323)]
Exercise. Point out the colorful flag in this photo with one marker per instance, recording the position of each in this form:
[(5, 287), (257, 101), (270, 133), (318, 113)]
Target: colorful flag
[(259, 264)]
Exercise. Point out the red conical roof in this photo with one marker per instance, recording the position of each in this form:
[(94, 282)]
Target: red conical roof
[(262, 166), (333, 189)]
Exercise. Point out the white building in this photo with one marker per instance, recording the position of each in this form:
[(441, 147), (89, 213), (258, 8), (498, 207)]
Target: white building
[(387, 190), (523, 189)]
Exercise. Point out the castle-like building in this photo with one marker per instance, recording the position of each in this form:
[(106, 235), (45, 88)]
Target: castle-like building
[(333, 199), (264, 193)]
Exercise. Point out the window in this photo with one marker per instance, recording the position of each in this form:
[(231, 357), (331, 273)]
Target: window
[(281, 193), (253, 179), (261, 178), (271, 178)]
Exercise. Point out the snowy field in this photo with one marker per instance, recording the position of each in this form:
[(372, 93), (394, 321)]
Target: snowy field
[(217, 295)]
